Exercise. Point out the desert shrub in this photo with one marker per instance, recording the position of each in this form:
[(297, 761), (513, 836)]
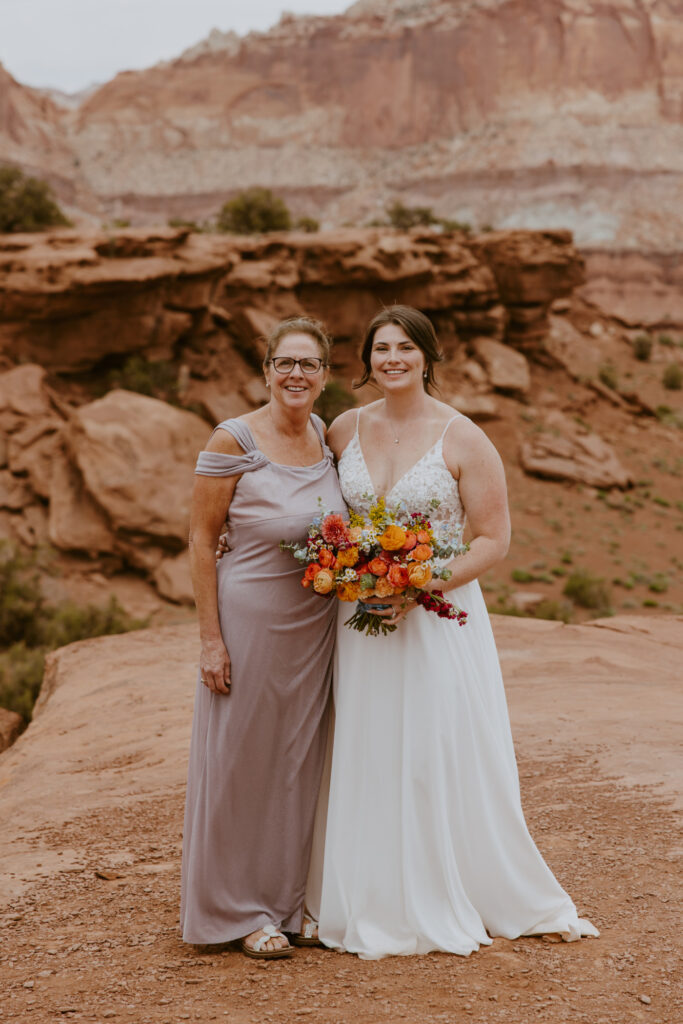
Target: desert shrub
[(27, 204), (30, 627), (666, 340), (588, 591), (181, 222), (157, 378), (642, 347), (672, 378), (253, 211), (308, 224), (405, 217), (333, 401), (608, 375), (456, 225)]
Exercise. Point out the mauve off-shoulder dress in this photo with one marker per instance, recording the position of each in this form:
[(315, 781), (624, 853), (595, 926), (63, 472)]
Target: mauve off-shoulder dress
[(256, 755)]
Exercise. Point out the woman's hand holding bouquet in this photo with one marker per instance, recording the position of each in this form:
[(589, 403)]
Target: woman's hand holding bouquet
[(388, 562)]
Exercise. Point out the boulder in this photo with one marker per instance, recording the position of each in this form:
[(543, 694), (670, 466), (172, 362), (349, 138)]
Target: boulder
[(11, 725), (137, 457), (14, 492), (564, 451), (476, 406), (31, 450), (218, 401), (173, 579), (507, 369), (75, 522), (23, 392)]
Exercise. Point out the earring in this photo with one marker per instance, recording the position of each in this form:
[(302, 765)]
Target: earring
[(425, 375), (324, 386), (267, 384)]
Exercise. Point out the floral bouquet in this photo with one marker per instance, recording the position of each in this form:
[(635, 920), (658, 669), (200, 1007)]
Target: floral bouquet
[(389, 552)]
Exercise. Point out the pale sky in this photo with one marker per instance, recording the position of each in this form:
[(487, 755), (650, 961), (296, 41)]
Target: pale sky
[(69, 44)]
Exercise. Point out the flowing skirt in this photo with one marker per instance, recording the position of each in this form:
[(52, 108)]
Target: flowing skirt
[(424, 845)]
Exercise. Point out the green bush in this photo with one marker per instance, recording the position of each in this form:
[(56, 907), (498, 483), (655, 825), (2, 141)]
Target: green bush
[(642, 347), (253, 211), (456, 225), (588, 591), (27, 204), (157, 378), (308, 224), (30, 627), (608, 375), (672, 378), (666, 340), (405, 217)]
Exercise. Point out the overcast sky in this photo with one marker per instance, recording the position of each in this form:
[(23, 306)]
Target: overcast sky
[(69, 44)]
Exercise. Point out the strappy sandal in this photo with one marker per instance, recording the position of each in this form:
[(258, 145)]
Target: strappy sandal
[(259, 953), (307, 936)]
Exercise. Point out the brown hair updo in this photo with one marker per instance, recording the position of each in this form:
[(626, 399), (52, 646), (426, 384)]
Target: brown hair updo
[(298, 325), (418, 328)]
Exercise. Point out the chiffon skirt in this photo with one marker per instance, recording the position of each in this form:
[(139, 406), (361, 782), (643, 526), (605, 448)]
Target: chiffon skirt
[(421, 842)]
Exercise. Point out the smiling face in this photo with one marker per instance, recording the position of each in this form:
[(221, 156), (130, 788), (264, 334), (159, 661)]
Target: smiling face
[(397, 362), (296, 389)]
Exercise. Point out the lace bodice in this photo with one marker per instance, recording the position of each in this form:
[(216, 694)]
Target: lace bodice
[(428, 478)]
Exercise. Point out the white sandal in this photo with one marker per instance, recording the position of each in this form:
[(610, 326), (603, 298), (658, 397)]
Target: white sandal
[(259, 953), (308, 936)]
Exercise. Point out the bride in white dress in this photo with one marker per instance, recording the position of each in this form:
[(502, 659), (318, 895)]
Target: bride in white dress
[(423, 845)]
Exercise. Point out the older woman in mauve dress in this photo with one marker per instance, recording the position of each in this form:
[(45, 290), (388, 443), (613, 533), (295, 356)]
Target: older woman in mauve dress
[(260, 720)]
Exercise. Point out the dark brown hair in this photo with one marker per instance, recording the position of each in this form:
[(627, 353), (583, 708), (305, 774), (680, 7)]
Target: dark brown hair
[(298, 325), (418, 328)]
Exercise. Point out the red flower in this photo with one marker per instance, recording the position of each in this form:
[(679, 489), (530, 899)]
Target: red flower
[(335, 531)]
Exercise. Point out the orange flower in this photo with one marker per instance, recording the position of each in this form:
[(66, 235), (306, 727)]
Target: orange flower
[(305, 582), (383, 587), (312, 571), (378, 567), (355, 533), (422, 552), (393, 538), (398, 576), (323, 582), (410, 542), (348, 591), (348, 557), (419, 574), (423, 537), (326, 558)]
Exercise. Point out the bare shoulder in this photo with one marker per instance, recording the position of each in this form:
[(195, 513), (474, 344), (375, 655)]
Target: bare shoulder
[(223, 441), (341, 430), (466, 444)]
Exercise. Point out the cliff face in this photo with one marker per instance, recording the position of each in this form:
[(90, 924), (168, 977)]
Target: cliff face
[(511, 112)]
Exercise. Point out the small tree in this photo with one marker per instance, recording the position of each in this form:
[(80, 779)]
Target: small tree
[(253, 211), (27, 204), (404, 217)]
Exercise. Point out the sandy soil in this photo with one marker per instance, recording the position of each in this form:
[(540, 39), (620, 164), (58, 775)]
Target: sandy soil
[(91, 799)]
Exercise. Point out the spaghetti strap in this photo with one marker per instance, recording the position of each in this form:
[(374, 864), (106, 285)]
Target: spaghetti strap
[(457, 416), (357, 422)]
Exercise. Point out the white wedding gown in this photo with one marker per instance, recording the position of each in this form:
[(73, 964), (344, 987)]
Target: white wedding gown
[(423, 845)]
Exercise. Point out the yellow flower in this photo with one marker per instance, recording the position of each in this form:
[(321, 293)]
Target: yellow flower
[(348, 557), (356, 521), (377, 513), (348, 591), (393, 538)]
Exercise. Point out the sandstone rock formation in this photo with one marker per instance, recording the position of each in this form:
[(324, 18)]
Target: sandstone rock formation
[(11, 725), (563, 450), (504, 112)]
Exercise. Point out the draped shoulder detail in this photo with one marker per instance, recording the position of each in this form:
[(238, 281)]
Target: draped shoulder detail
[(220, 464)]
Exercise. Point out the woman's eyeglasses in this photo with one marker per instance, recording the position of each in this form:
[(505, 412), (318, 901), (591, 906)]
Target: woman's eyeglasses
[(285, 364)]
